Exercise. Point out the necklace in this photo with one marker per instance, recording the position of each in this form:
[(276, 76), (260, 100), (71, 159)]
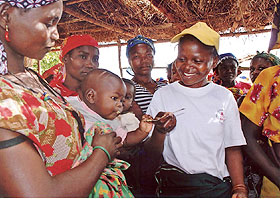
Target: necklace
[(44, 95), (55, 93), (23, 84), (46, 85)]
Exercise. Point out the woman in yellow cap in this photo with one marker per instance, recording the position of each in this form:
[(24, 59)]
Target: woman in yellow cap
[(202, 153)]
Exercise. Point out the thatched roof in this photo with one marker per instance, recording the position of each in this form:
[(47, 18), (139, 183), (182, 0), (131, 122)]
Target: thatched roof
[(117, 20)]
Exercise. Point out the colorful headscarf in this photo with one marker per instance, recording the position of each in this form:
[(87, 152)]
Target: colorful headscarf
[(20, 4), (225, 56), (75, 41), (139, 39), (27, 3), (269, 57)]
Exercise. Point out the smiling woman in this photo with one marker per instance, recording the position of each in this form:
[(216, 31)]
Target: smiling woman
[(194, 62), (200, 127)]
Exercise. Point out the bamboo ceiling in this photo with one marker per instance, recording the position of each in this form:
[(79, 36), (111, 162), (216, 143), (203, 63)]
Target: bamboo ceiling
[(115, 20)]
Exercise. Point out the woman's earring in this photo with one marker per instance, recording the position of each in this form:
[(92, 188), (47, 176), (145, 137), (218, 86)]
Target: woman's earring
[(7, 33)]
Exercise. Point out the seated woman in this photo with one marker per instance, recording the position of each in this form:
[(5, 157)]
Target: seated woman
[(79, 55), (41, 134)]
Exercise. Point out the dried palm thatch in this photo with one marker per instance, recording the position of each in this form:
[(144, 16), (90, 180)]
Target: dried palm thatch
[(116, 20)]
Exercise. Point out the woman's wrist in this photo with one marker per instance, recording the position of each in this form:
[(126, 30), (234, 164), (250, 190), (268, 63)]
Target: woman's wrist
[(160, 130), (239, 188)]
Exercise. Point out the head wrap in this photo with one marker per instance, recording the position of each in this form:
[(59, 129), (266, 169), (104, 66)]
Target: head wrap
[(75, 41), (139, 40), (28, 3), (269, 57), (20, 4), (202, 32), (225, 56)]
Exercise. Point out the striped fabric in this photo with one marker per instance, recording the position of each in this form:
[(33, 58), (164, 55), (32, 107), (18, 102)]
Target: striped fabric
[(143, 97)]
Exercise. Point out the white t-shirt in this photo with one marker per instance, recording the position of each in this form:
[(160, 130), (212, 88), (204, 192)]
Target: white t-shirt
[(209, 123)]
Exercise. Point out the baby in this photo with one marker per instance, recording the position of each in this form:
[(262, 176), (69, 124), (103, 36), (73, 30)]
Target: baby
[(101, 100)]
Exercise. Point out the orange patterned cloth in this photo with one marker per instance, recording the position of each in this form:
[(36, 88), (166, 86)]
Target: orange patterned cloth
[(48, 123), (262, 103)]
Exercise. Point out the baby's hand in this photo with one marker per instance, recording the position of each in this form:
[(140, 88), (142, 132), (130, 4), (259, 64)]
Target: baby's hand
[(166, 122), (145, 126)]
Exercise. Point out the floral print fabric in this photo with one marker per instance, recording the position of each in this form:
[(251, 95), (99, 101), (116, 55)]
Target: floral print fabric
[(48, 123), (262, 103)]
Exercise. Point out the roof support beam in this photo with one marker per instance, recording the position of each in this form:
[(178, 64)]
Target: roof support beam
[(85, 17)]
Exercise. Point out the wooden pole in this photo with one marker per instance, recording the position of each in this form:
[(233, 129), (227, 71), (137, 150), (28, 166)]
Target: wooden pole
[(119, 56)]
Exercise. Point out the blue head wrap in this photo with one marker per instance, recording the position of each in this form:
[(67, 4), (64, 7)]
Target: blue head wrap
[(225, 56), (139, 39)]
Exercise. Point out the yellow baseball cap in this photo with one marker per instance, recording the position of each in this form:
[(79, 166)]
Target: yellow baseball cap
[(202, 32)]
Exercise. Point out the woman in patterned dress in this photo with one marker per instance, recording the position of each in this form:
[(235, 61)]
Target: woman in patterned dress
[(40, 132), (260, 117)]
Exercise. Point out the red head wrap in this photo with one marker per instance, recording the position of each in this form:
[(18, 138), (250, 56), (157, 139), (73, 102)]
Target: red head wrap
[(75, 41)]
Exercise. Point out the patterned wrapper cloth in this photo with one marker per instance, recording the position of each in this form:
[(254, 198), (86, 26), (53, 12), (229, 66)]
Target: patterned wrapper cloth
[(112, 182)]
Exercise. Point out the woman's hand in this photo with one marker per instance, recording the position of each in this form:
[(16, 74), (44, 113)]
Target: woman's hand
[(240, 194), (166, 122), (109, 141)]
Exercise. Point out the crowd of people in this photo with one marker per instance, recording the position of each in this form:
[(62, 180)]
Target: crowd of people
[(82, 131)]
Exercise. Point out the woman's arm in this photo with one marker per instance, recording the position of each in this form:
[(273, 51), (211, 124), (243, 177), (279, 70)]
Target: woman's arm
[(23, 173), (234, 161), (255, 151)]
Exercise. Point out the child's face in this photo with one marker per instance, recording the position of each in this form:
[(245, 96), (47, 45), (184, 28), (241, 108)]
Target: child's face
[(109, 98), (193, 63), (128, 97)]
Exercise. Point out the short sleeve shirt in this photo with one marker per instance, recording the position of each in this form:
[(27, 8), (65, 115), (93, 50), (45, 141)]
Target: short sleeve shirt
[(208, 125)]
